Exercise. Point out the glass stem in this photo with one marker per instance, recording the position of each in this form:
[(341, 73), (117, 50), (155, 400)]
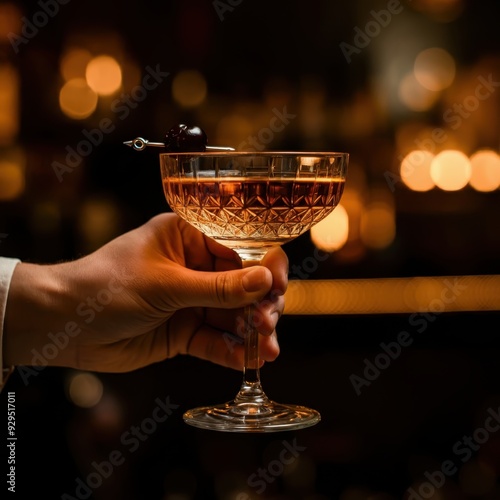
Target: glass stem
[(251, 372), (251, 390)]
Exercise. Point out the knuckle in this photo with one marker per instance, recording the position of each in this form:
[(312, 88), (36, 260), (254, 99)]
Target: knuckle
[(221, 288)]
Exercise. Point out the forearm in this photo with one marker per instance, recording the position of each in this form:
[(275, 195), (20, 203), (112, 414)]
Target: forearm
[(34, 312)]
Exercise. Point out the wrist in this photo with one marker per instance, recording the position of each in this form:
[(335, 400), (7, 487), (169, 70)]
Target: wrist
[(32, 311)]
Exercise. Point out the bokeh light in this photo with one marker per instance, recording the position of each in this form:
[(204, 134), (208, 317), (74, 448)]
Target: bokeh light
[(12, 179), (10, 21), (189, 88), (85, 390), (435, 69), (331, 233), (98, 222), (354, 202), (234, 129), (104, 75), (109, 413), (444, 11), (77, 100), (9, 103), (414, 96), (485, 174), (74, 63), (451, 170), (415, 170), (378, 225)]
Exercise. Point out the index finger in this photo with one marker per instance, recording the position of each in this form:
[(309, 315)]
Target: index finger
[(276, 261)]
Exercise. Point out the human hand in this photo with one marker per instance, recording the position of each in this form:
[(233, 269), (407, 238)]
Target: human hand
[(157, 291)]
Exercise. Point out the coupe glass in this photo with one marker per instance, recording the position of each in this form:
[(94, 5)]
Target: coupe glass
[(251, 202)]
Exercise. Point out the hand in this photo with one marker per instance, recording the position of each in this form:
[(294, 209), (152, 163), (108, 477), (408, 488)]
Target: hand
[(157, 291)]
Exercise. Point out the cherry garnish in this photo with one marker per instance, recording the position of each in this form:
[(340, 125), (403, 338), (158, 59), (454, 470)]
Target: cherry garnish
[(181, 138)]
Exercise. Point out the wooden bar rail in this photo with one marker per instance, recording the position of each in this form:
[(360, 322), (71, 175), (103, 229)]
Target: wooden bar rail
[(436, 294)]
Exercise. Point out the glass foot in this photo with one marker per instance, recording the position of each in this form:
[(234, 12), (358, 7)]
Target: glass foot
[(252, 417)]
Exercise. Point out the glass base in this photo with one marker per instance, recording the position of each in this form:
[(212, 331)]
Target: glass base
[(252, 417)]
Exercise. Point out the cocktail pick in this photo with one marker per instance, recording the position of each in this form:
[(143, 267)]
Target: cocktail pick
[(139, 143)]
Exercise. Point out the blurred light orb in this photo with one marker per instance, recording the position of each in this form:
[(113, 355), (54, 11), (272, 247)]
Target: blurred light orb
[(331, 233), (435, 69), (378, 226), (108, 413), (414, 96), (415, 170), (234, 129), (12, 180), (98, 221), (74, 63), (9, 103), (485, 175), (189, 88), (77, 100), (444, 11), (104, 75), (10, 20), (451, 170), (85, 390)]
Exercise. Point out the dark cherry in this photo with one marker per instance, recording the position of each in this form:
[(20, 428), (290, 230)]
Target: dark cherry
[(182, 138)]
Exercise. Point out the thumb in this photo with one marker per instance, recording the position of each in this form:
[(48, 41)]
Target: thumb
[(224, 289)]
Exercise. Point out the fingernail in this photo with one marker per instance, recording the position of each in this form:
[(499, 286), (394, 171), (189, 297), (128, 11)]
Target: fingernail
[(253, 280)]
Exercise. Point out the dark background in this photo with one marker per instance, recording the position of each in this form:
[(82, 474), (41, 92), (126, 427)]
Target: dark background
[(368, 447)]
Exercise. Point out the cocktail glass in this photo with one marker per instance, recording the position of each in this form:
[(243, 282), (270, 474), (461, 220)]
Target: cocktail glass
[(251, 202)]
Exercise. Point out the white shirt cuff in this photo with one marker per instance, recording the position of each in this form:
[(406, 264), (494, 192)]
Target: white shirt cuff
[(7, 266)]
